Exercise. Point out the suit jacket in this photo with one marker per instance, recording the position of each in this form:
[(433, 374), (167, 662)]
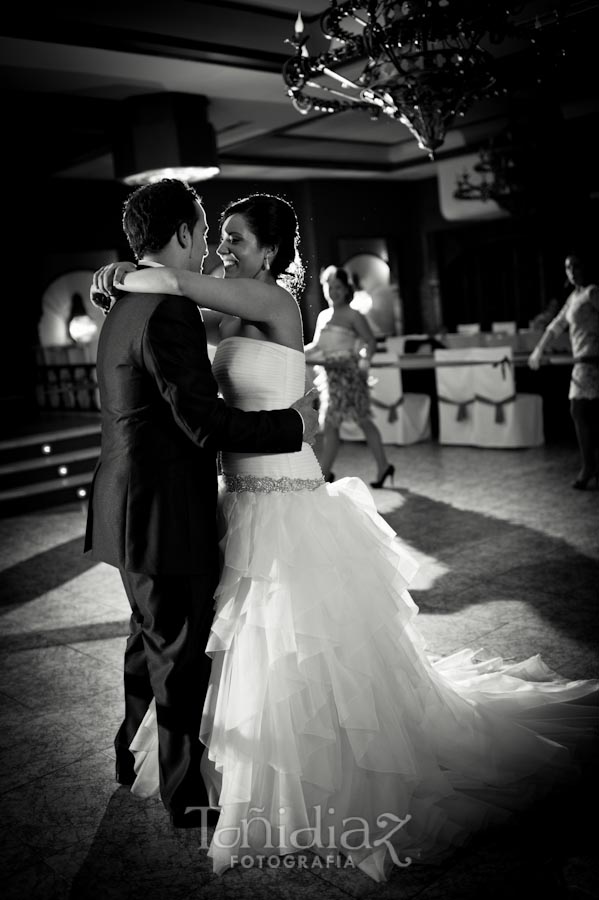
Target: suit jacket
[(152, 504)]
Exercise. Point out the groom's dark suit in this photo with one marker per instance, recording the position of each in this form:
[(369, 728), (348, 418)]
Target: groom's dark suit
[(152, 513)]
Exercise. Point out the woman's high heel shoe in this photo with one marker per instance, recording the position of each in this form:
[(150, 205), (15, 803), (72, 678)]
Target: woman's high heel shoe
[(582, 482), (330, 477), (388, 473)]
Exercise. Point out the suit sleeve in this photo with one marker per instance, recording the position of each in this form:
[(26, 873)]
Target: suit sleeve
[(175, 354)]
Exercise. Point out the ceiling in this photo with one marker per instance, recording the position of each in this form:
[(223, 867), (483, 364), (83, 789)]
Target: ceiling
[(64, 69)]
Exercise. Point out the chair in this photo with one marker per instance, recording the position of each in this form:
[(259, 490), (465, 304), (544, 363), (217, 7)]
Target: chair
[(504, 327), (497, 339), (401, 418), (503, 418), (455, 395), (419, 344), (455, 341)]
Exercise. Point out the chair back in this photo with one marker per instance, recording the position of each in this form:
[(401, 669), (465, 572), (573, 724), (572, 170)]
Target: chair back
[(504, 327), (455, 395), (494, 376), (494, 381), (455, 383), (455, 341)]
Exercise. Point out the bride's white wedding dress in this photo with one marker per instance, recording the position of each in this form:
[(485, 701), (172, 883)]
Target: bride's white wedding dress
[(325, 721)]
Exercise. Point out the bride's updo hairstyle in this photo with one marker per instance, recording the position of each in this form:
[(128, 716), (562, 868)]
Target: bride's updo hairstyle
[(273, 221)]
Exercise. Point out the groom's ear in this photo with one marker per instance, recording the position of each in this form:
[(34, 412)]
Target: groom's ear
[(182, 235)]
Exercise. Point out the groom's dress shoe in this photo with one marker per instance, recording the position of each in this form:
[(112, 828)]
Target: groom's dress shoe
[(202, 817)]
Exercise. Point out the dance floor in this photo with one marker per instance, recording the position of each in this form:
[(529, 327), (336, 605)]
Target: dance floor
[(509, 561)]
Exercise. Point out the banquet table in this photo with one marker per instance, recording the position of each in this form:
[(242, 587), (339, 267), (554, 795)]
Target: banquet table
[(416, 361), (551, 381)]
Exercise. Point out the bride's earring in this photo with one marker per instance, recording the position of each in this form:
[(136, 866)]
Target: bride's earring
[(266, 264)]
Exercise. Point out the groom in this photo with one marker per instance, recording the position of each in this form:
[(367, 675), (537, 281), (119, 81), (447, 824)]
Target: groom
[(152, 505)]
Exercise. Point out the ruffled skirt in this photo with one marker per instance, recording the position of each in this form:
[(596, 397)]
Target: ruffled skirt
[(327, 727)]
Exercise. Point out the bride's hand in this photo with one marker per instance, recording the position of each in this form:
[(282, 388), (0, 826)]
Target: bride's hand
[(105, 283)]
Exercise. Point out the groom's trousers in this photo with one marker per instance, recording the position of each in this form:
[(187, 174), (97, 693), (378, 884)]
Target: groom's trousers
[(165, 658)]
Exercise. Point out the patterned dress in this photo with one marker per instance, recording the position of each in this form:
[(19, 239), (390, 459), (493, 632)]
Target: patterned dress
[(580, 314), (341, 383)]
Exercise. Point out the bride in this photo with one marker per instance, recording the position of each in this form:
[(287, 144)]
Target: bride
[(326, 725)]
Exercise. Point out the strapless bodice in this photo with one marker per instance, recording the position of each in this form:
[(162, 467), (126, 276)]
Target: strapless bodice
[(254, 375), (336, 339)]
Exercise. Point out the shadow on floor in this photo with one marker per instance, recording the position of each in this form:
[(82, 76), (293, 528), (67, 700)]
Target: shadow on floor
[(43, 572), (135, 853), (490, 559)]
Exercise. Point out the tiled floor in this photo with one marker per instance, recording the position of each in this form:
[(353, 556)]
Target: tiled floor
[(509, 559)]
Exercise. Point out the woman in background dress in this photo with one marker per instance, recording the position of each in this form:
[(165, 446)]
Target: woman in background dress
[(343, 344), (579, 314)]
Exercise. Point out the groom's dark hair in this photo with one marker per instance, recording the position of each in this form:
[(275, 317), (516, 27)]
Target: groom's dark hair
[(152, 214)]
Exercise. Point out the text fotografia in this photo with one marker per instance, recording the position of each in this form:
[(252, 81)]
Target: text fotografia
[(254, 836), (292, 861)]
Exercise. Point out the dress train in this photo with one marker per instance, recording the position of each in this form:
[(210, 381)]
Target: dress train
[(327, 725)]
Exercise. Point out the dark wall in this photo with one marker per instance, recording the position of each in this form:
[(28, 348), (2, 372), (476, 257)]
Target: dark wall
[(47, 226), (337, 210), (510, 268)]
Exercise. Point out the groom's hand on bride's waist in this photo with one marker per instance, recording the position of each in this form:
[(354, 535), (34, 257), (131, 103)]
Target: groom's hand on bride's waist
[(305, 407)]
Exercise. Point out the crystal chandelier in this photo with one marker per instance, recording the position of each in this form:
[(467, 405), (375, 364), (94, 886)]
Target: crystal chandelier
[(420, 62)]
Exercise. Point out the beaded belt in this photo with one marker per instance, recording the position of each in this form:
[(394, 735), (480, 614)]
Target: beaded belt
[(261, 484)]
